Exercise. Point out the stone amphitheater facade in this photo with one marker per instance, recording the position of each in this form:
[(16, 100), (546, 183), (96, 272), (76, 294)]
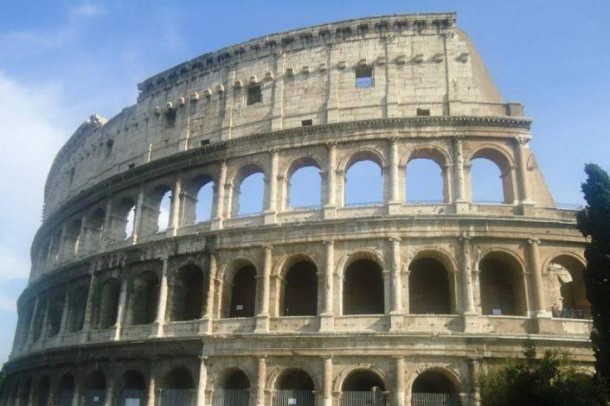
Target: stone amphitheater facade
[(395, 302)]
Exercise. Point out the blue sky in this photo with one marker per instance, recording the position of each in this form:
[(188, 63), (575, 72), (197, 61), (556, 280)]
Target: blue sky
[(61, 61)]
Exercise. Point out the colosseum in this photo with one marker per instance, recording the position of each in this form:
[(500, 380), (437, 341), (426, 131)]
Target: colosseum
[(152, 284)]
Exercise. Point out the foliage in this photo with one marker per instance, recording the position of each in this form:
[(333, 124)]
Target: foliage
[(594, 222), (546, 381)]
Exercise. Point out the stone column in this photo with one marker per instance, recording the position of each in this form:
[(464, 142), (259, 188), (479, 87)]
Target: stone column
[(203, 381), (328, 382), (260, 384), (520, 149), (448, 184), (262, 318), (394, 198), (468, 297), (137, 223), (539, 305), (206, 327), (177, 203), (106, 234), (110, 390), (271, 209), (331, 181), (327, 316), (397, 312), (61, 254), (63, 324), (399, 370), (152, 388), (87, 324), (461, 203), (218, 208), (162, 307), (122, 310), (277, 113), (332, 87), (80, 245), (35, 310), (474, 367)]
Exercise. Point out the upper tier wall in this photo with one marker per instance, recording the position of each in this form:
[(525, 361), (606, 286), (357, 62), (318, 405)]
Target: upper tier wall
[(420, 64)]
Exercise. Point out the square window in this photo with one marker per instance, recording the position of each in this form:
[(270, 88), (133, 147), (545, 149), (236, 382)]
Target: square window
[(254, 95), (364, 77), (306, 123)]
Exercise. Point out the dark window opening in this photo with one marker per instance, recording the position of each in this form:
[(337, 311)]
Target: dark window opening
[(429, 291), (306, 123), (170, 117), (423, 112), (300, 295), (255, 95), (243, 293), (204, 142), (364, 77), (131, 166), (363, 288), (109, 145)]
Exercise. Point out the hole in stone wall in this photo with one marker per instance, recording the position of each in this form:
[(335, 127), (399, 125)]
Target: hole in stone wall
[(251, 193), (254, 95), (364, 183), (304, 187), (364, 77), (423, 112), (306, 123), (424, 182), (205, 197), (486, 181)]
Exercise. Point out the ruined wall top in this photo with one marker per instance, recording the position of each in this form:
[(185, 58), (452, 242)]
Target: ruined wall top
[(380, 68)]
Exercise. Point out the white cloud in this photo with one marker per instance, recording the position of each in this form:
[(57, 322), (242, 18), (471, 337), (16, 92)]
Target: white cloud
[(86, 10)]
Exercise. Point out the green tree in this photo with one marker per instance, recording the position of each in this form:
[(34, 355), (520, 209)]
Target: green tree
[(594, 222), (545, 381)]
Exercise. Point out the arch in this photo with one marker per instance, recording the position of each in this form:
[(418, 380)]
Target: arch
[(434, 386), (242, 290), (299, 292), (481, 185), (55, 309), (198, 200), (188, 293), (232, 388), (360, 170), (156, 210), (77, 302), (567, 285), (363, 386), (248, 190), (438, 155), (95, 389), (425, 182), (144, 299), (178, 388), (363, 287), (133, 389), (502, 285), (108, 307), (38, 319), (123, 218), (25, 393), (72, 238), (43, 392), (66, 390), (430, 287), (294, 383), (93, 232), (304, 183)]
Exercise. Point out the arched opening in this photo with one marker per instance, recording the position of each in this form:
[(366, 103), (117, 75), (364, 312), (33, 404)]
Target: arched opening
[(94, 230), (72, 239), (294, 384), (434, 388), (363, 288), (502, 288), (205, 199), (156, 210), (38, 319), (249, 191), (108, 303), (304, 187), (233, 389), (188, 294), (198, 200), (429, 287), (363, 387), (568, 294), (43, 392), (123, 219), (490, 177), (165, 206), (65, 392), (178, 388), (133, 389), (243, 292), (77, 302), (144, 299), (95, 389), (25, 393), (364, 183), (424, 182), (300, 290), (55, 310)]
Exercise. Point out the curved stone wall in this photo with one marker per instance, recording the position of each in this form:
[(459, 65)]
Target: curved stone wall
[(399, 300)]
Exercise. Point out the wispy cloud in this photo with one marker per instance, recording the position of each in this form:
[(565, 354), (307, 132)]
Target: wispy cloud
[(86, 10)]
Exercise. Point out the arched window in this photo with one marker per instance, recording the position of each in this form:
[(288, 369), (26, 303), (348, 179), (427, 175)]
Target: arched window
[(502, 289), (363, 387), (364, 183), (156, 210), (300, 290), (188, 294), (205, 199), (243, 292), (123, 218), (38, 319), (294, 384), (490, 177), (233, 389), (94, 230), (249, 191), (95, 389), (363, 288), (77, 302), (429, 287), (178, 388), (305, 187), (72, 239), (424, 182), (65, 392), (133, 389), (43, 392), (108, 304), (434, 388), (55, 310), (568, 295), (25, 393), (144, 299), (199, 200), (165, 207)]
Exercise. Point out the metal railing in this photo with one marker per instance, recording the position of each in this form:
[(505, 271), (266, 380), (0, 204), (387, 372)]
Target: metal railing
[(362, 398), (230, 397), (94, 397), (435, 399), (288, 397), (177, 397), (133, 397)]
